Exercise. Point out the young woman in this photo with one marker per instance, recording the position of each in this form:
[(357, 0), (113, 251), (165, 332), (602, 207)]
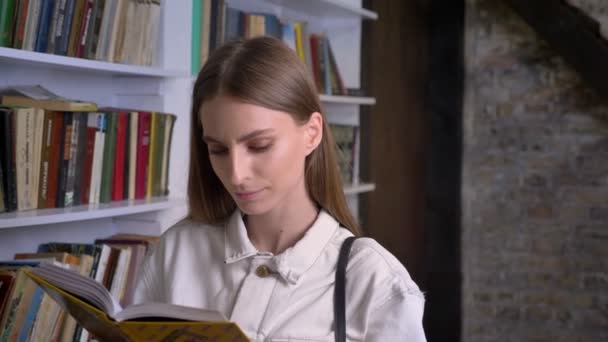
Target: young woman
[(268, 214)]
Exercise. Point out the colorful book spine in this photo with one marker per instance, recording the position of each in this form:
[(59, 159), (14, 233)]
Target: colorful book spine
[(119, 160), (54, 158), (7, 157), (30, 316), (143, 147), (107, 174), (21, 17), (80, 156), (45, 155), (196, 36), (42, 34), (152, 154), (7, 10), (64, 159), (87, 166)]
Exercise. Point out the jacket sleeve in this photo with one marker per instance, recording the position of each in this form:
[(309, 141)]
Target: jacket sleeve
[(399, 318)]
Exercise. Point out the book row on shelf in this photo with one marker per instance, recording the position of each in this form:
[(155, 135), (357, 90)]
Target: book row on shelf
[(214, 23), (56, 157), (27, 313), (121, 31)]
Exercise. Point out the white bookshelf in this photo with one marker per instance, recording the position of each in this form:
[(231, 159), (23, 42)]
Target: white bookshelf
[(165, 87), (86, 212), (323, 9), (43, 60)]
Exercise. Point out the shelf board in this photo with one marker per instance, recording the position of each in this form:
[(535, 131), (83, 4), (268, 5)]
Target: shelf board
[(86, 212), (329, 9), (24, 57), (358, 100), (359, 188)]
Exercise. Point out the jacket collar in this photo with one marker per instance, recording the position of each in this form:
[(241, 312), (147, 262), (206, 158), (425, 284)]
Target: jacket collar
[(294, 261)]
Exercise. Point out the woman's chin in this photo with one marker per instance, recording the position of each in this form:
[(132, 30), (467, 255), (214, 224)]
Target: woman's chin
[(253, 208)]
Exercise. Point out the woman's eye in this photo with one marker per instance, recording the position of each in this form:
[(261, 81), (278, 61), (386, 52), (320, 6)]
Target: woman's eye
[(217, 151), (260, 148)]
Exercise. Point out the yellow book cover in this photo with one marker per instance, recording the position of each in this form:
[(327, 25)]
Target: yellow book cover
[(94, 308)]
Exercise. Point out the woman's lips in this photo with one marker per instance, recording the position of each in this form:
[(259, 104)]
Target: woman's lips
[(248, 195)]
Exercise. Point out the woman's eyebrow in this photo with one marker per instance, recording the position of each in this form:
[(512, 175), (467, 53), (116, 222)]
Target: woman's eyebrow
[(250, 135)]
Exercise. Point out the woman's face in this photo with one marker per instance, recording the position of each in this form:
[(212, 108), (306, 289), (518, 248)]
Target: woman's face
[(258, 153)]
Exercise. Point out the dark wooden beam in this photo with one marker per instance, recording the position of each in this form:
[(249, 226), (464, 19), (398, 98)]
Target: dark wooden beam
[(572, 34)]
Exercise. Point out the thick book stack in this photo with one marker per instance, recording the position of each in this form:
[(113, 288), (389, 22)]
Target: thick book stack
[(55, 158), (120, 31), (347, 150), (214, 23), (27, 313)]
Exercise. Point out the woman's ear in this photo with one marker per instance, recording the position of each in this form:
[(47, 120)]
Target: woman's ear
[(313, 132)]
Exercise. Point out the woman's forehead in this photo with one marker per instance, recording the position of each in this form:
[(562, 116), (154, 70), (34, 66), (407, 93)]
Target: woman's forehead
[(231, 116)]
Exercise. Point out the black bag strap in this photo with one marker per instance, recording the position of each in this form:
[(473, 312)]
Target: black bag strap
[(339, 290)]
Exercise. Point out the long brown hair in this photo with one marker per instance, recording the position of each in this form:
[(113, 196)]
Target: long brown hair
[(265, 72)]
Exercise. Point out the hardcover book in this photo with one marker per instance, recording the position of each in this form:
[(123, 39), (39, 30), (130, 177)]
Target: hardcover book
[(94, 308)]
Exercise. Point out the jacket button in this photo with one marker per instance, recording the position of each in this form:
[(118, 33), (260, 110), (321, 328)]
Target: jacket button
[(262, 271)]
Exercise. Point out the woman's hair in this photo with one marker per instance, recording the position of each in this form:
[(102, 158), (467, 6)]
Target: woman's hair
[(265, 72)]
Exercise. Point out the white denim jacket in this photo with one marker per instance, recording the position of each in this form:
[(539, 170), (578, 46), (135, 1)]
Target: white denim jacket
[(214, 267)]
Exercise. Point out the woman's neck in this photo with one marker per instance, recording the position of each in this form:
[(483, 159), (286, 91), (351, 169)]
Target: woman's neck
[(283, 226)]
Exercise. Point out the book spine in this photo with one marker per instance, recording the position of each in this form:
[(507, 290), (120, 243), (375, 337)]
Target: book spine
[(50, 46), (21, 15), (7, 17), (152, 156), (73, 160), (55, 158), (42, 35), (102, 42), (206, 28), (88, 158), (133, 154), (337, 82), (107, 175), (31, 25), (143, 146), (326, 70), (64, 159), (66, 26), (94, 27), (126, 163), (7, 135), (80, 155), (98, 153), (36, 148), (59, 27), (161, 124), (43, 182), (24, 159), (75, 27), (119, 159), (164, 180), (196, 36), (30, 316), (84, 28)]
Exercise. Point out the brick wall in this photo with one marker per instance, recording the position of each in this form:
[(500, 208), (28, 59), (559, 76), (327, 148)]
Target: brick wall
[(535, 188)]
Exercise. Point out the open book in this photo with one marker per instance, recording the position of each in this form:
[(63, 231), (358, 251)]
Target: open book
[(90, 303)]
